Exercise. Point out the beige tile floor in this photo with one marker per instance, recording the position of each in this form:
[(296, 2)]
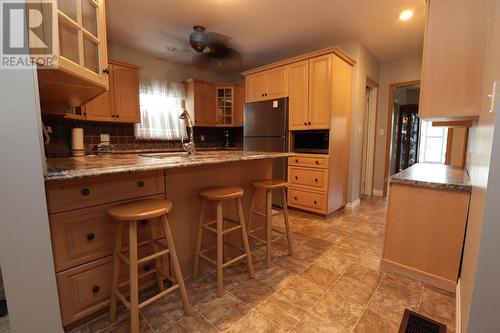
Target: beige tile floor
[(331, 284)]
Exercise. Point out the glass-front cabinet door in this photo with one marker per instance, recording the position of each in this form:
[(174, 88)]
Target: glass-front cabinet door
[(224, 105), (82, 39)]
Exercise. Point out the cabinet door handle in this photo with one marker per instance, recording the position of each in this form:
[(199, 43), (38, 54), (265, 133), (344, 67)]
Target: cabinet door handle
[(296, 161), (105, 70), (316, 180), (305, 123), (295, 198), (309, 123), (315, 202), (85, 192), (317, 162), (144, 222), (140, 183), (90, 236), (96, 289), (296, 177)]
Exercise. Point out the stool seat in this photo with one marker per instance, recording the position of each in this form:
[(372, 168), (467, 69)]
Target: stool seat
[(222, 193), (141, 210), (270, 184)]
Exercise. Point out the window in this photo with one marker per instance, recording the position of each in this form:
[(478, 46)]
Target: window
[(161, 106), (433, 142)]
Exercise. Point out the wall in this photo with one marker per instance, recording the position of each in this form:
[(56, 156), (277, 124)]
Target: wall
[(154, 67), (25, 246), (393, 71), (366, 65), (479, 287)]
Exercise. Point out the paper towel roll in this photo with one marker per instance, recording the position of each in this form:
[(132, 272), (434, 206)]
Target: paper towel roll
[(77, 142)]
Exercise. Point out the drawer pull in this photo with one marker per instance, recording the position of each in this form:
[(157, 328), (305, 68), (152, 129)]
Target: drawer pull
[(296, 177), (317, 162), (90, 236), (295, 198), (96, 289), (316, 180), (296, 161), (85, 192), (315, 202), (140, 183), (144, 222)]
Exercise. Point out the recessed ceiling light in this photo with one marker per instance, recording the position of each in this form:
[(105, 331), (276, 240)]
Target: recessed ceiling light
[(406, 15)]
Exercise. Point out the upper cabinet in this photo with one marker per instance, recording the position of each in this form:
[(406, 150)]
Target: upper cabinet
[(81, 51), (310, 93), (121, 102), (200, 102), (213, 104), (269, 84), (453, 59)]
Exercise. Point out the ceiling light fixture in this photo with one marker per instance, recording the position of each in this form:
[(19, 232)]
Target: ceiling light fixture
[(406, 15)]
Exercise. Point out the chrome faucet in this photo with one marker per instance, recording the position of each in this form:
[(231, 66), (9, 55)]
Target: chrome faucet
[(188, 146)]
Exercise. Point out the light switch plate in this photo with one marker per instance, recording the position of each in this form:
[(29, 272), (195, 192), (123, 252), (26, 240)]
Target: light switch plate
[(104, 137), (494, 96), (275, 104)]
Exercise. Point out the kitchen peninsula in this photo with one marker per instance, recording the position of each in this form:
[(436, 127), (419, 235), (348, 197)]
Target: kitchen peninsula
[(80, 190)]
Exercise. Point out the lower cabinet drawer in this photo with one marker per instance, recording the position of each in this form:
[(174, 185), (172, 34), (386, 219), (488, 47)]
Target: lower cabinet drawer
[(83, 235), (312, 201), (316, 179), (86, 289)]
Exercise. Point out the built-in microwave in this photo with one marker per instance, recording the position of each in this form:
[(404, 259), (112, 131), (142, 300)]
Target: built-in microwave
[(310, 142)]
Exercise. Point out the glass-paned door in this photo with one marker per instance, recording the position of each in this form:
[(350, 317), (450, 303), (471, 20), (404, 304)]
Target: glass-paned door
[(224, 106), (79, 33), (408, 135)]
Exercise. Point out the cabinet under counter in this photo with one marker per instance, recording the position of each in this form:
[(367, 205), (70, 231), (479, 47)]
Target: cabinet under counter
[(426, 220)]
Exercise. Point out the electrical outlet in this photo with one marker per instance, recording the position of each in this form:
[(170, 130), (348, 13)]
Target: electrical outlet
[(202, 138), (104, 137)]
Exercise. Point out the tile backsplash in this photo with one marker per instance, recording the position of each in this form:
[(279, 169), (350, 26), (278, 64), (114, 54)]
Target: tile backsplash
[(122, 137)]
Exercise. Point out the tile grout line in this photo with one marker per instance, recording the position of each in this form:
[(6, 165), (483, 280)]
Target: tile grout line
[(421, 297), (317, 301), (371, 297)]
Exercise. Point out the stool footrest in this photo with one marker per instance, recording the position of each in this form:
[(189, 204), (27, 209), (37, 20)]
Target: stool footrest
[(141, 276), (207, 226), (153, 256), (277, 212), (232, 261), (158, 296), (207, 258), (238, 227), (262, 241)]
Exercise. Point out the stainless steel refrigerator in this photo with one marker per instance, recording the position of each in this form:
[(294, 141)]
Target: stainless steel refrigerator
[(266, 129)]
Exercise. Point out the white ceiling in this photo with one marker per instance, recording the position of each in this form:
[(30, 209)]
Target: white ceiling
[(268, 30)]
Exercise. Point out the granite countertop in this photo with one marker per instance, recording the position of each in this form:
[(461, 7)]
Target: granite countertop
[(64, 168), (435, 176)]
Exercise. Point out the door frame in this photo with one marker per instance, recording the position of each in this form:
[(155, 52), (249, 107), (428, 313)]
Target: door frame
[(390, 110), (373, 84)]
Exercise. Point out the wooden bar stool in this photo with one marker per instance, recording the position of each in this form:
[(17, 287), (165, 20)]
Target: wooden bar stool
[(133, 212), (269, 185), (218, 195)]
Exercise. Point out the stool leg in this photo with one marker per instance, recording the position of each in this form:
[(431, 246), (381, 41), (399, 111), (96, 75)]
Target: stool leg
[(134, 277), (269, 225), (220, 270), (116, 271), (158, 265), (244, 235), (285, 218), (176, 267), (252, 206), (199, 239)]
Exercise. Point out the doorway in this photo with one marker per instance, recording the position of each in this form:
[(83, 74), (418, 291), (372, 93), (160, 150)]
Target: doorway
[(403, 127), (369, 129)]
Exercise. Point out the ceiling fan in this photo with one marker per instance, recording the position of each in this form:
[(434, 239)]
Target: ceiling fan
[(208, 49)]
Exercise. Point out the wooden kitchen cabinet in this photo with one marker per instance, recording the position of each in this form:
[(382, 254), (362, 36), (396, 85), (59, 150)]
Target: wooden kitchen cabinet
[(298, 91), (269, 84), (320, 95), (80, 71), (200, 102), (239, 104), (121, 102), (453, 59), (310, 93)]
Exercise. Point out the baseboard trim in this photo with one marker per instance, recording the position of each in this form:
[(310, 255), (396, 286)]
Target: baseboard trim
[(354, 204), (378, 193), (418, 275)]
